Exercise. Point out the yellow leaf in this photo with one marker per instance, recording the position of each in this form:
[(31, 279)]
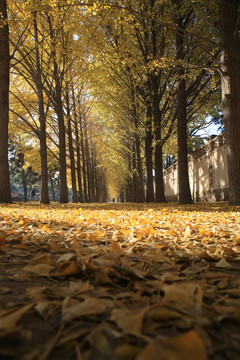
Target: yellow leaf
[(95, 236), (171, 232), (46, 229), (91, 221)]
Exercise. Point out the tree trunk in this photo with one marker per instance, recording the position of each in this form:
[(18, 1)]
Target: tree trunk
[(71, 152), (138, 149), (93, 179), (96, 176), (181, 111), (88, 162), (135, 177), (44, 199), (159, 184), (148, 156), (91, 168), (80, 192), (5, 191), (61, 125), (79, 178), (230, 70), (83, 163), (62, 144)]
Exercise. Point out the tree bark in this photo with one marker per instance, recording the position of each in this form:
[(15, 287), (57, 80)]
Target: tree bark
[(71, 152), (93, 179), (61, 124), (135, 176), (229, 26), (159, 184), (44, 199), (138, 148), (5, 191), (77, 143), (83, 162), (62, 142), (181, 111), (148, 156), (88, 160)]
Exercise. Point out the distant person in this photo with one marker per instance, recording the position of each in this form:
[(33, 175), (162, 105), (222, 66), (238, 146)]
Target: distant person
[(113, 200), (33, 194)]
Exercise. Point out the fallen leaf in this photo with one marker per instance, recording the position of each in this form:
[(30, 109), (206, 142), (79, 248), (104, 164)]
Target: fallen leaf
[(9, 318), (41, 259), (130, 321), (116, 248), (2, 241), (159, 312), (223, 264), (173, 293), (40, 269), (68, 268), (66, 257), (188, 346), (90, 306)]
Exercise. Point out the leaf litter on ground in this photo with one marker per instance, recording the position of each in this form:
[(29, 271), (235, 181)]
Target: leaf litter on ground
[(119, 281)]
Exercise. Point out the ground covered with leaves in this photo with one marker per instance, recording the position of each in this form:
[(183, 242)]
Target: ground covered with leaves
[(119, 281)]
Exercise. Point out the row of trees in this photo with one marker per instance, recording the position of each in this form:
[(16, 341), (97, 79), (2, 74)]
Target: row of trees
[(49, 101), (107, 90)]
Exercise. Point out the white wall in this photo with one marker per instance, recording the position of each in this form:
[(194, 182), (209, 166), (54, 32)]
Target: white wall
[(208, 174)]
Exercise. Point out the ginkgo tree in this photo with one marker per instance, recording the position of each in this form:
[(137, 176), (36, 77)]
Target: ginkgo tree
[(141, 61), (5, 192)]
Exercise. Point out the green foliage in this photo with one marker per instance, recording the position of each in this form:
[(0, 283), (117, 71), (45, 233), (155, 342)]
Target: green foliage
[(17, 166)]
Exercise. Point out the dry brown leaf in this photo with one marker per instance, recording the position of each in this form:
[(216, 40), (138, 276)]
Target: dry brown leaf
[(130, 321), (175, 294), (188, 346), (42, 309), (40, 269), (41, 259), (66, 257), (2, 241), (223, 264), (159, 312), (116, 248), (9, 318), (127, 351), (90, 306), (78, 287), (228, 250), (68, 268)]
